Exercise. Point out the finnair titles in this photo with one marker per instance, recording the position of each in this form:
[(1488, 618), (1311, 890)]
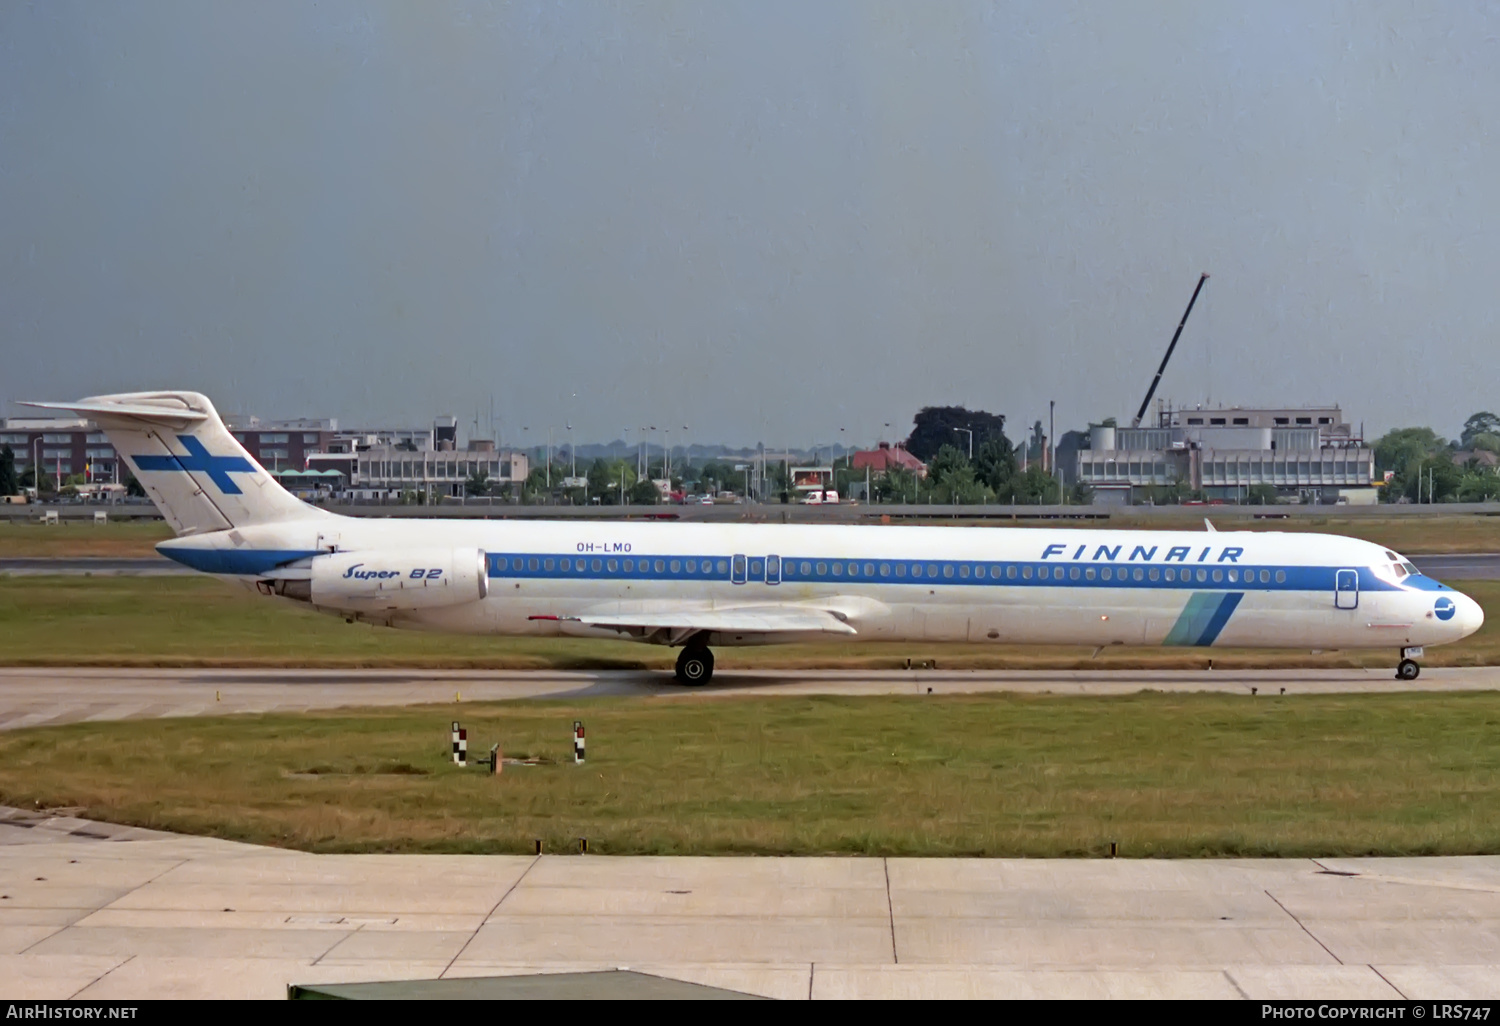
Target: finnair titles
[(696, 586)]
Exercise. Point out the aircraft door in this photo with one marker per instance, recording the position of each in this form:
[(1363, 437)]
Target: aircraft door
[(773, 569), (1346, 589), (737, 569)]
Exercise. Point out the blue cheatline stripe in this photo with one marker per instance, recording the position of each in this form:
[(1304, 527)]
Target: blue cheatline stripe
[(928, 573)]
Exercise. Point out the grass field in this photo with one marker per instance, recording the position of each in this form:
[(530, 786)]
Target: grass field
[(1409, 535), (1162, 775), (199, 621)]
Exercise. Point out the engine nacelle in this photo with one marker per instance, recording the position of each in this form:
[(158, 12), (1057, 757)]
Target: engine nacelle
[(399, 579)]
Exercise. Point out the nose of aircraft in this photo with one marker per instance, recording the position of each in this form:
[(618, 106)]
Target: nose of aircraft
[(1469, 616)]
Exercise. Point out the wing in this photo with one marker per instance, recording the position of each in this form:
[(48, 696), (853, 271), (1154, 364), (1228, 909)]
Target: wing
[(766, 619)]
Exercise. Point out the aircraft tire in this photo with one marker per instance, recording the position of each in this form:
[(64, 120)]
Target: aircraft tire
[(695, 666), (1407, 669)]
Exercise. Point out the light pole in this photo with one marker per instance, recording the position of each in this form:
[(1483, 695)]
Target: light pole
[(36, 466), (971, 441), (572, 454)]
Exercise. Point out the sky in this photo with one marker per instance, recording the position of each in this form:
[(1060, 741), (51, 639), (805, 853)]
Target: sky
[(781, 222)]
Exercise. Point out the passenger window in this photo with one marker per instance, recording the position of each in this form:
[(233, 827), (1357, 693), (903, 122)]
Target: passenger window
[(1010, 571), (1073, 573), (931, 569), (822, 569), (838, 569), (1154, 574), (885, 569), (1106, 573), (547, 565), (1233, 576), (531, 564), (1138, 574), (630, 566), (1265, 577), (806, 568), (676, 565), (900, 569), (963, 571), (869, 569), (692, 566), (1171, 574), (947, 569), (1042, 573), (660, 566), (916, 569), (757, 567), (566, 565), (502, 563), (995, 572), (1202, 575), (853, 569), (1088, 573), (1281, 577), (1026, 572), (612, 566), (596, 565)]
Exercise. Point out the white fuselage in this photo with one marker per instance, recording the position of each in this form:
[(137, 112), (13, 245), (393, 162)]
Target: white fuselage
[(1003, 585)]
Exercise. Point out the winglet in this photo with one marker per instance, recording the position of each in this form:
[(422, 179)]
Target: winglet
[(1209, 524)]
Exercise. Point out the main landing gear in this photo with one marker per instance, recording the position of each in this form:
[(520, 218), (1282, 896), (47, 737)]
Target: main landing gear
[(695, 666), (1407, 668)]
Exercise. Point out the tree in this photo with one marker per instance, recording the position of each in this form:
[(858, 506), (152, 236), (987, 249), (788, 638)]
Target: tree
[(948, 461), (1261, 495), (8, 483), (133, 487), (935, 427), (1481, 423), (644, 493), (478, 483), (995, 464), (1400, 448)]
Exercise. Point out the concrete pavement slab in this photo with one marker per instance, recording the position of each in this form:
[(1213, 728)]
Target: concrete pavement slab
[(632, 939), (397, 945), (1412, 942), (1445, 982), (50, 977), (903, 982), (1312, 982), (1105, 945), (179, 942), (204, 978)]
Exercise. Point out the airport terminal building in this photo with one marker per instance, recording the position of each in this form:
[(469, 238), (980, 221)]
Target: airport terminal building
[(1306, 454)]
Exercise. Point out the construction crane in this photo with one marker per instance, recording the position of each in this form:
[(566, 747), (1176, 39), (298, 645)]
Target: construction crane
[(1173, 345)]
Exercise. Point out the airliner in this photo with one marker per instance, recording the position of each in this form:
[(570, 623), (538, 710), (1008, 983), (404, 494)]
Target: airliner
[(698, 586)]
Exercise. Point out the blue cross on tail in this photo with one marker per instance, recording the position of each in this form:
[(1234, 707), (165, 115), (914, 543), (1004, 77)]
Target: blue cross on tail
[(218, 468)]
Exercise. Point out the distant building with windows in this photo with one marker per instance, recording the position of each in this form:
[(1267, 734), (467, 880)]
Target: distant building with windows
[(63, 447), (1306, 454)]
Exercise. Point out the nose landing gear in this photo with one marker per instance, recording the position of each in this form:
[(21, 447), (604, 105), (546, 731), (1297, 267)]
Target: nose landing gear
[(1407, 668), (695, 666)]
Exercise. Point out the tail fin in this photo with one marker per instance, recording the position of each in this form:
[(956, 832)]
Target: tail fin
[(196, 472)]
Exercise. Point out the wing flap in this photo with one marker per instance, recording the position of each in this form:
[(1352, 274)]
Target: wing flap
[(736, 620)]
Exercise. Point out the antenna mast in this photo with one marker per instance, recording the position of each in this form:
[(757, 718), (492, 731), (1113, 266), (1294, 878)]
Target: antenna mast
[(1173, 345)]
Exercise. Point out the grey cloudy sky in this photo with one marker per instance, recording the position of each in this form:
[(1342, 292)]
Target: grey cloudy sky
[(765, 220)]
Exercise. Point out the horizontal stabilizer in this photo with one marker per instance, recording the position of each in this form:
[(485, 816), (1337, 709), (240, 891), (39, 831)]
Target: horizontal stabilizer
[(157, 414)]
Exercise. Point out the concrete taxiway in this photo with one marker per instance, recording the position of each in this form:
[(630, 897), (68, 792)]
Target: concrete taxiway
[(36, 697), (90, 911)]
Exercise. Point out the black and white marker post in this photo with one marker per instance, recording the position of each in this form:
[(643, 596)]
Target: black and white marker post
[(460, 745), (578, 742)]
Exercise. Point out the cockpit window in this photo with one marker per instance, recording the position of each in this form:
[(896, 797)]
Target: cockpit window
[(1392, 556), (1409, 568), (1400, 570)]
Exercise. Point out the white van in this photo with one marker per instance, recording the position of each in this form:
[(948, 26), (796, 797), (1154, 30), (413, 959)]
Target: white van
[(823, 497)]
